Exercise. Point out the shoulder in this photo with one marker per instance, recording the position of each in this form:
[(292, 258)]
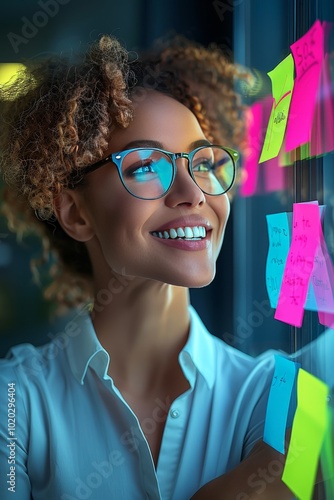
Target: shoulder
[(224, 352), (227, 364), (32, 368)]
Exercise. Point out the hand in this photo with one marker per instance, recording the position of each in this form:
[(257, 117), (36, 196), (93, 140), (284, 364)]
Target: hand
[(257, 477)]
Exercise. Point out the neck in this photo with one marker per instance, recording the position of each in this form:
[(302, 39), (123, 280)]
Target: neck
[(143, 325)]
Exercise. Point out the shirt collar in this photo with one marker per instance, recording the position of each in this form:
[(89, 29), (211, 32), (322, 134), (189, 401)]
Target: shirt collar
[(84, 350)]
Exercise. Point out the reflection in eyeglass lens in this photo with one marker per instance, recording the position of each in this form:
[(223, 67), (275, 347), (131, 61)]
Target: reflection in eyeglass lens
[(147, 173), (213, 170)]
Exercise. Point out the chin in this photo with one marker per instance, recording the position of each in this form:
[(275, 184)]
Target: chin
[(191, 280)]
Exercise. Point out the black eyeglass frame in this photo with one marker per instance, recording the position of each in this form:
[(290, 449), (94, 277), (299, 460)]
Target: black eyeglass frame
[(118, 157)]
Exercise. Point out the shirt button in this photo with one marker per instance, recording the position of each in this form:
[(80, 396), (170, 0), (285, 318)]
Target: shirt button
[(174, 413)]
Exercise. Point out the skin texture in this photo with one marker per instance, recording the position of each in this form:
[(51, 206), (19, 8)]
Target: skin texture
[(145, 323)]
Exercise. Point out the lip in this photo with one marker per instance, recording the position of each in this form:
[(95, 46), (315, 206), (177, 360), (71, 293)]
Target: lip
[(188, 220)]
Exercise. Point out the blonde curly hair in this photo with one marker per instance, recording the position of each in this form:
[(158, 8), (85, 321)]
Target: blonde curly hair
[(59, 114)]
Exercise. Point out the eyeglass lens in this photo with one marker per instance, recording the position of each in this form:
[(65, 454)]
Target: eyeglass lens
[(148, 173)]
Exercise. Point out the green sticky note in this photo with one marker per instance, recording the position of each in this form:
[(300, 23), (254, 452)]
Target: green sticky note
[(282, 84), (327, 458), (308, 431)]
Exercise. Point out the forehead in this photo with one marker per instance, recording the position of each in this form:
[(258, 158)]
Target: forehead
[(161, 118)]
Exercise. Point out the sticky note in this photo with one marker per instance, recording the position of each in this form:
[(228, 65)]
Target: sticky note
[(327, 107), (323, 283), (278, 249), (299, 263), (253, 118), (275, 178), (282, 85), (308, 54), (307, 435), (327, 457), (311, 303), (321, 280), (322, 137), (279, 401)]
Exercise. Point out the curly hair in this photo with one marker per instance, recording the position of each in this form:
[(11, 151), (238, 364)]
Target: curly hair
[(59, 114)]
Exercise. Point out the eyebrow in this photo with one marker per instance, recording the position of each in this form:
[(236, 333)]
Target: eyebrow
[(156, 144)]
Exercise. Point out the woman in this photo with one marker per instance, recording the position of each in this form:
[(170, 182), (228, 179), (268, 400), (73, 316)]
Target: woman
[(134, 399)]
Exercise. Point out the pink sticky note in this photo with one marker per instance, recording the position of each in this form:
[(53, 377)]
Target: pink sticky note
[(323, 283), (275, 178), (327, 96), (322, 135), (299, 263), (253, 117), (308, 54), (327, 109), (322, 278)]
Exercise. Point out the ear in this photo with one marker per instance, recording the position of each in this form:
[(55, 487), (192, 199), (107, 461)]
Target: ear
[(72, 218)]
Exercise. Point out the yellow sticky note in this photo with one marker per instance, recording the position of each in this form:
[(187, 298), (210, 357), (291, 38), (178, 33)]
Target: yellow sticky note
[(308, 431), (282, 84)]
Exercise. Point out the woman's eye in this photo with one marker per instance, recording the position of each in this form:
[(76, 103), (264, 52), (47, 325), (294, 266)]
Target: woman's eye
[(142, 169), (203, 166)]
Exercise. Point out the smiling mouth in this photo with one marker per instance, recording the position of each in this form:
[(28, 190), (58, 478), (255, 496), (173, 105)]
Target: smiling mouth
[(194, 233)]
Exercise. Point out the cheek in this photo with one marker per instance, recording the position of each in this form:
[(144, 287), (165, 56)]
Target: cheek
[(116, 215), (221, 206)]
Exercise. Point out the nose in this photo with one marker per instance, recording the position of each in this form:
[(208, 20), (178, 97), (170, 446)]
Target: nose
[(184, 190)]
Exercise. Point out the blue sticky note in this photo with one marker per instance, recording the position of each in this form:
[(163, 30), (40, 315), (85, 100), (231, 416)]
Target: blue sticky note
[(282, 394), (279, 244), (311, 301)]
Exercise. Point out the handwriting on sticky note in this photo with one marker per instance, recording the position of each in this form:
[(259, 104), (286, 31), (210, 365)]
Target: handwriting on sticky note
[(279, 401), (282, 85), (308, 54), (299, 263), (279, 244), (308, 431)]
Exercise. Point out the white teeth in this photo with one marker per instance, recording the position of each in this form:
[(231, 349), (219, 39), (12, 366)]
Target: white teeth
[(188, 232), (196, 232)]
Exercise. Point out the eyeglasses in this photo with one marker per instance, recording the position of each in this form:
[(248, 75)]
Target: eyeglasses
[(149, 173)]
